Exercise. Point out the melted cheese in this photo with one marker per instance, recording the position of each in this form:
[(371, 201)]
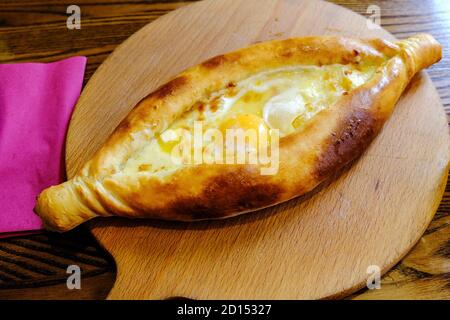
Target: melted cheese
[(283, 99)]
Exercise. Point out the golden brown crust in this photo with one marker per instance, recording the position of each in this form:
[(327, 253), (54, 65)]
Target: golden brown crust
[(330, 140)]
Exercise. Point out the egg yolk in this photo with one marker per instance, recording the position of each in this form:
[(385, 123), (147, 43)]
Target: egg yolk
[(246, 122)]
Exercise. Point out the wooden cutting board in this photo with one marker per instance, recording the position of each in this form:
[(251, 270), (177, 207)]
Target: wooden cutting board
[(315, 248)]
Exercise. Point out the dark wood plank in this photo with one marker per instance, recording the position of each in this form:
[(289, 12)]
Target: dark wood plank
[(35, 266), (35, 30)]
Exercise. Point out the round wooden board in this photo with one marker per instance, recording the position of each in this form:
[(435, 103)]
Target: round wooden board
[(372, 215)]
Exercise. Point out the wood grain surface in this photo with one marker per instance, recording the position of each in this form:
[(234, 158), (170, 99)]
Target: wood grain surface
[(35, 31), (301, 249)]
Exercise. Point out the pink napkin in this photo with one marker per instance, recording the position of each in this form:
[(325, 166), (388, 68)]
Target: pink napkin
[(36, 101)]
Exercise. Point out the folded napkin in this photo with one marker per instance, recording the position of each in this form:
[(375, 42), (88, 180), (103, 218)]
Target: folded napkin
[(36, 101)]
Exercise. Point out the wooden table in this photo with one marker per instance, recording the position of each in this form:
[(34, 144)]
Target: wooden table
[(34, 266)]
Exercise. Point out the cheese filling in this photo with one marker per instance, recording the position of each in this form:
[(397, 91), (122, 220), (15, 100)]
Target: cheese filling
[(282, 99)]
